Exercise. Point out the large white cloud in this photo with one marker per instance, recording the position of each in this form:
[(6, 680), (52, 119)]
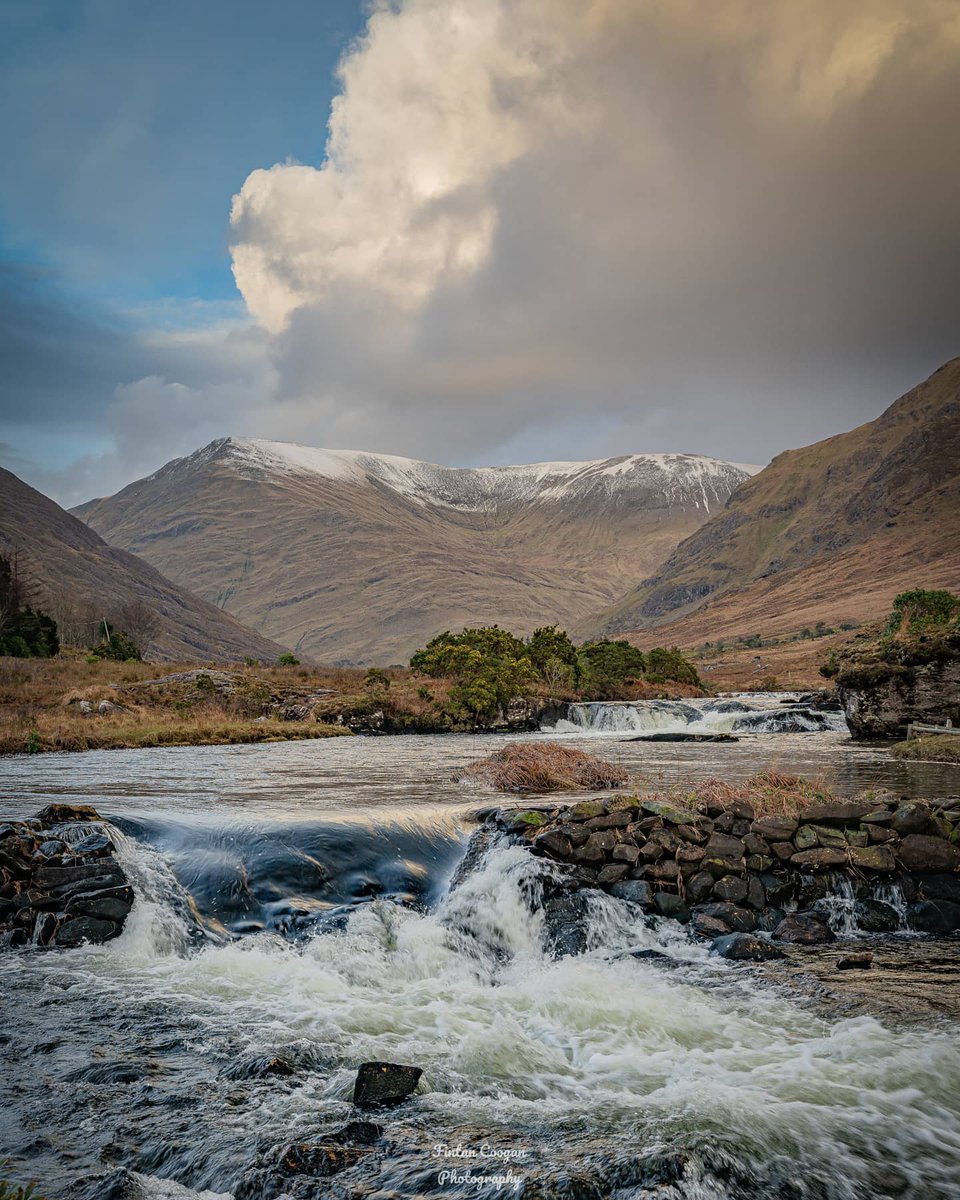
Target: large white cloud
[(704, 218)]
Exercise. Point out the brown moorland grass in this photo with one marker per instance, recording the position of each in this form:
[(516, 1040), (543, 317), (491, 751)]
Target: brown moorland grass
[(39, 708), (529, 767)]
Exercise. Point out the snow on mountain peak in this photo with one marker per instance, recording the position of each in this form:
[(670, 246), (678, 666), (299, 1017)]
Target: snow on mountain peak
[(674, 479)]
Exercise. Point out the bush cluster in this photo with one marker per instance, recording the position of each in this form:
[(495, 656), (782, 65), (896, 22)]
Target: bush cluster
[(491, 666), (116, 646)]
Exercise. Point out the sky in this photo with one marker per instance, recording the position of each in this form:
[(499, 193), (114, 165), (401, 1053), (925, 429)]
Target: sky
[(470, 231)]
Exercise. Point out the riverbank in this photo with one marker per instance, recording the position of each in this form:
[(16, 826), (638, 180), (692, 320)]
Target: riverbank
[(938, 748), (73, 703)]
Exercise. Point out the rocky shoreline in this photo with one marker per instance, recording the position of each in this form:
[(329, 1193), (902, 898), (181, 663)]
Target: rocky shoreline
[(60, 881), (730, 875)]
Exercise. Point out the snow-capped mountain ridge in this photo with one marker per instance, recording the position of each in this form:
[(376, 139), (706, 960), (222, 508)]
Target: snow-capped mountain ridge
[(686, 480), (349, 556)]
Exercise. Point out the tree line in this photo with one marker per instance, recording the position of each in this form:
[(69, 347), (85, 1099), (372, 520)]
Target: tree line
[(490, 666)]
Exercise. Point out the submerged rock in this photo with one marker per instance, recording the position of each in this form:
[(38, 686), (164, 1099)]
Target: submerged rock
[(383, 1083), (861, 961)]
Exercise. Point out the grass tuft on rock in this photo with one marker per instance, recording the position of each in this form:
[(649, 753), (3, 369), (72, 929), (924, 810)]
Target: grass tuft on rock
[(532, 767), (771, 793), (936, 748)]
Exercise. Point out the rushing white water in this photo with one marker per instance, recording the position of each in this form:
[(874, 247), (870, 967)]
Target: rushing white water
[(671, 1075), (625, 1055), (774, 712)]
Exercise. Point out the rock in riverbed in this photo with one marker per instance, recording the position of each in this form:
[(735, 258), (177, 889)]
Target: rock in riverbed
[(745, 947), (382, 1083), (60, 882)]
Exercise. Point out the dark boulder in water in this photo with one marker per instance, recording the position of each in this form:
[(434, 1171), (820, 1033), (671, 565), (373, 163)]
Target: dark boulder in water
[(383, 1083), (745, 947), (875, 916), (805, 929), (934, 916), (861, 961), (683, 737)]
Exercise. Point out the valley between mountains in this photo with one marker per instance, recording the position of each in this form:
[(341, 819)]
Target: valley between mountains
[(357, 558)]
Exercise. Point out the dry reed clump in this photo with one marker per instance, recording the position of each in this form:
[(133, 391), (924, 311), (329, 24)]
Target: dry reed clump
[(770, 792), (526, 767)]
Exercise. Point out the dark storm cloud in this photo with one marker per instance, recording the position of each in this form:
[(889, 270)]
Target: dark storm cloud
[(722, 228)]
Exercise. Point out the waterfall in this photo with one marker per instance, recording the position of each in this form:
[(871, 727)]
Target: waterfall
[(774, 712)]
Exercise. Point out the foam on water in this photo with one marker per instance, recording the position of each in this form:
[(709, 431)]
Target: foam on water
[(775, 712), (603, 1045)]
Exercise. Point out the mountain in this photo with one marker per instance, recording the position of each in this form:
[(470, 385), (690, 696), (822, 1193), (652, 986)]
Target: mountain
[(352, 557), (75, 573), (831, 532)]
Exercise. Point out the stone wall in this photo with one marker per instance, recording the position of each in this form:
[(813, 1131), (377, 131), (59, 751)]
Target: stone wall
[(723, 870)]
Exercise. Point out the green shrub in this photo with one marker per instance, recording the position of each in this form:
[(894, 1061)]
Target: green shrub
[(489, 664), (922, 609), (605, 667), (670, 665), (554, 656), (288, 660), (116, 646)]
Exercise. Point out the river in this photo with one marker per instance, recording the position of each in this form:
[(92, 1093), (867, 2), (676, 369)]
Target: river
[(293, 909)]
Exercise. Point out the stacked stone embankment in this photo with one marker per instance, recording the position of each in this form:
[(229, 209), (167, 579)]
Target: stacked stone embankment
[(60, 881), (723, 870)]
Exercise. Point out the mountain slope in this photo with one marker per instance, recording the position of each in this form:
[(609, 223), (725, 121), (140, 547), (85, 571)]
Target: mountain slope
[(829, 532), (72, 566), (354, 557)]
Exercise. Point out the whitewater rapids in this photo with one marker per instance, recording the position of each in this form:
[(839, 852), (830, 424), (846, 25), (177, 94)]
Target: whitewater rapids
[(679, 1076)]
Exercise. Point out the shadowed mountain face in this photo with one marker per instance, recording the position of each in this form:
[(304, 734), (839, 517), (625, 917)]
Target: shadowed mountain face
[(830, 532), (70, 565), (353, 557)]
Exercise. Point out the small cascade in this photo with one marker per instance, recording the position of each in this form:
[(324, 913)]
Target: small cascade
[(840, 907), (164, 920), (857, 912), (892, 894), (763, 713)]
